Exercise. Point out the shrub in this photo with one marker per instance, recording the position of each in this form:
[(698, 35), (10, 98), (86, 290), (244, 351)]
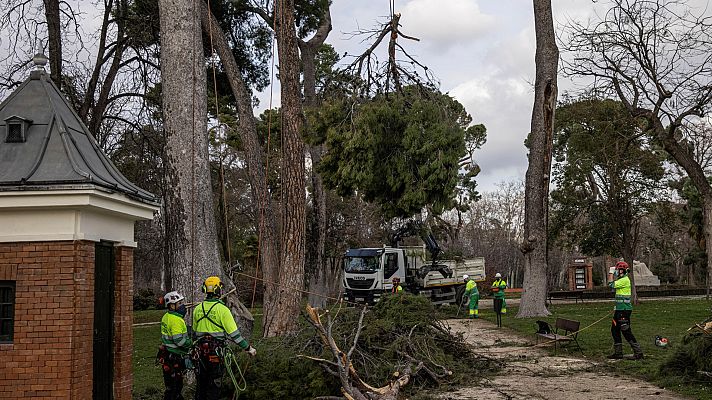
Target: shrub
[(692, 355), (145, 299)]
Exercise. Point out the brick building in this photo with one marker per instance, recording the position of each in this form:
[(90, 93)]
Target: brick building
[(66, 252)]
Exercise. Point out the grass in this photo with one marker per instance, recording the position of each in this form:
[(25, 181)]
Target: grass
[(148, 378), (668, 318)]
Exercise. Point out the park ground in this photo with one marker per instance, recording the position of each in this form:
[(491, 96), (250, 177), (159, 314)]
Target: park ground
[(532, 372)]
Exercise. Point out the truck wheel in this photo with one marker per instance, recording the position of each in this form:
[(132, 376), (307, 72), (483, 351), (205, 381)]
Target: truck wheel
[(459, 293)]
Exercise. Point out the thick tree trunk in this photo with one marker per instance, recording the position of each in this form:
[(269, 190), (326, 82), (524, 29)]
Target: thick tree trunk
[(255, 158), (293, 216), (54, 38), (320, 279), (707, 204), (537, 178), (192, 252)]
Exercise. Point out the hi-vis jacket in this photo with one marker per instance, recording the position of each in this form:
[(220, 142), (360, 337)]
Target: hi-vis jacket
[(212, 317), (174, 333), (622, 286), (500, 284), (471, 288)]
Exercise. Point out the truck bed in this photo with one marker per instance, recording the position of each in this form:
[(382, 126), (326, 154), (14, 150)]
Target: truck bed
[(474, 267)]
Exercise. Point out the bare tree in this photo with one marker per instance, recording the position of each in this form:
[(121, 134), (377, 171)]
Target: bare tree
[(55, 40), (656, 57), (31, 26), (536, 207), (191, 238)]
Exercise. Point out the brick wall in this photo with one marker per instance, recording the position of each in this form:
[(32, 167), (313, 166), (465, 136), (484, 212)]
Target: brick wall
[(51, 353), (123, 321)]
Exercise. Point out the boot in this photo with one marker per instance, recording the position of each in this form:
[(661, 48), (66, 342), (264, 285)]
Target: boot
[(617, 351), (637, 351)]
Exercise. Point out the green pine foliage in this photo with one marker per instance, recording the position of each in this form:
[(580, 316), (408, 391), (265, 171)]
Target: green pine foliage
[(692, 355), (401, 151)]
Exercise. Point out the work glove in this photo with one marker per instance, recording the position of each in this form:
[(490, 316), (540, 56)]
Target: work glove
[(612, 270), (251, 351)]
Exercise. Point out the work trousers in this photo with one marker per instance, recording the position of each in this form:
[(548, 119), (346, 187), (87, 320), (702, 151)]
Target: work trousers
[(209, 376), (474, 305), (173, 369), (621, 324)]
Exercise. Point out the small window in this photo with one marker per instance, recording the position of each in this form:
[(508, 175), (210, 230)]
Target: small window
[(7, 310), (391, 265), (14, 133)]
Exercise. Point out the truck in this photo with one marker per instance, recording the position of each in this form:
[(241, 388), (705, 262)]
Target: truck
[(369, 272)]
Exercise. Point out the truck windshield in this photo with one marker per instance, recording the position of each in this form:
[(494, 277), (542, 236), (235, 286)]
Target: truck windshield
[(360, 264)]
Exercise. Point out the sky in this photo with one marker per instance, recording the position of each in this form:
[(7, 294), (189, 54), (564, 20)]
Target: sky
[(481, 51)]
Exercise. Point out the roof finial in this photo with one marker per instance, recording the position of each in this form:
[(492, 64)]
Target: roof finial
[(40, 60)]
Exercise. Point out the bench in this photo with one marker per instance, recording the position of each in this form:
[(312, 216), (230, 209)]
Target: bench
[(569, 328), (565, 294)]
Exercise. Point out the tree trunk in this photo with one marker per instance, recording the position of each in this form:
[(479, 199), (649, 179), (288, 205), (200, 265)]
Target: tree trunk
[(319, 279), (707, 221), (321, 275), (293, 218), (192, 252), (102, 101), (54, 37), (537, 178), (255, 158)]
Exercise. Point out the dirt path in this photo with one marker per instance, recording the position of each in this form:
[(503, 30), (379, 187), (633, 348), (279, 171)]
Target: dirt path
[(530, 373)]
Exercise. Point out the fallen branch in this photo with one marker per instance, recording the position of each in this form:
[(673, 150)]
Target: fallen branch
[(352, 386)]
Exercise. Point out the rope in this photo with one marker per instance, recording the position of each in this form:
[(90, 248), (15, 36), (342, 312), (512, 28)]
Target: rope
[(217, 115), (192, 161), (554, 340), (230, 361), (338, 299)]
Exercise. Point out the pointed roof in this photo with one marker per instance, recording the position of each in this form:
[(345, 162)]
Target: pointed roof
[(58, 151)]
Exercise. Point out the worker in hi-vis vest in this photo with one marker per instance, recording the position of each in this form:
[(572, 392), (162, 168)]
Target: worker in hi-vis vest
[(213, 327), (175, 345), (623, 311), (472, 295), (498, 287), (397, 288)]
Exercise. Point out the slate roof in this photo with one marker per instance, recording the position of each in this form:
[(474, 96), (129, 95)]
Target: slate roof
[(59, 151)]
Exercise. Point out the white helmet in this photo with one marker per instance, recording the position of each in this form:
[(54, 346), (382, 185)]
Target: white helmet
[(497, 275), (173, 298), (465, 277)]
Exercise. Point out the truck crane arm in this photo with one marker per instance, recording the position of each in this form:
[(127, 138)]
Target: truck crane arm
[(413, 228)]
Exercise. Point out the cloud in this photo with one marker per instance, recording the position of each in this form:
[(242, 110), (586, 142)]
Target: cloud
[(444, 24)]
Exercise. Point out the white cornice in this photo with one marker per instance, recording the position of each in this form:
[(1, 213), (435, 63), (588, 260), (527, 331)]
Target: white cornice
[(70, 215), (85, 198)]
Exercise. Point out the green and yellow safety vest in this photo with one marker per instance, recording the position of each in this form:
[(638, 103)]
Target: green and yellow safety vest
[(622, 287), (212, 317), (471, 288), (501, 284), (174, 333)]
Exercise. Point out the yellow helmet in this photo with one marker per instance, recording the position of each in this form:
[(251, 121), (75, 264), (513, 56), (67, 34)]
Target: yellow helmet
[(212, 285)]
